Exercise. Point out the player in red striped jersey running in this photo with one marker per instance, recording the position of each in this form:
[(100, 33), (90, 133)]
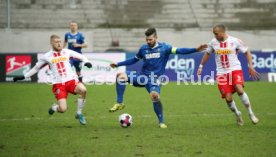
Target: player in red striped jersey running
[(64, 79), (229, 71)]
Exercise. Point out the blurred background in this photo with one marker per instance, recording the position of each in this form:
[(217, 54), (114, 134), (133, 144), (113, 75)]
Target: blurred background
[(119, 26), (25, 25)]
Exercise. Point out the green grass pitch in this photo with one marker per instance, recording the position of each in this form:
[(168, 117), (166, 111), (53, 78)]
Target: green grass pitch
[(199, 123)]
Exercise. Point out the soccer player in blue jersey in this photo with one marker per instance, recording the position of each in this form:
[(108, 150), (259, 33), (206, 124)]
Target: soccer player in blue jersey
[(76, 41), (155, 56)]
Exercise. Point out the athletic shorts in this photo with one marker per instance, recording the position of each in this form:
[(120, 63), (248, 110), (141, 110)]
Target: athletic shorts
[(227, 82), (141, 80), (61, 90), (76, 64)]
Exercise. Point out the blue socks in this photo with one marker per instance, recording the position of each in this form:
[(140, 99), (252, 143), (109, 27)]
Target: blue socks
[(120, 88), (158, 109)]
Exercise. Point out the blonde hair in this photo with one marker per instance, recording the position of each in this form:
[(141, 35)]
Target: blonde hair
[(54, 36)]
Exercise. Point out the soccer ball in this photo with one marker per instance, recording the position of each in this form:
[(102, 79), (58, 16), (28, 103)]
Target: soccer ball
[(125, 120)]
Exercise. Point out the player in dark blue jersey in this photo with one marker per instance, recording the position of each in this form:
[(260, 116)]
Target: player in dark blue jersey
[(155, 56), (76, 41)]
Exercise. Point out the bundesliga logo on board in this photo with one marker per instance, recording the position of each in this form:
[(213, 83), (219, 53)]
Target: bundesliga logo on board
[(17, 65)]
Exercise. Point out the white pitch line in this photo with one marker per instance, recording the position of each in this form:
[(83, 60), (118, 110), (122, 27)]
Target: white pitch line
[(136, 116)]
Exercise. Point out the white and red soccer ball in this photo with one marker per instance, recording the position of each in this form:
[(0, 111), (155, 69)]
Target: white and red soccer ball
[(125, 120)]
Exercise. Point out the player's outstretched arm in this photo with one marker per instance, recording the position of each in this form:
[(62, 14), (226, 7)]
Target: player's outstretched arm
[(202, 47), (189, 50), (203, 61), (113, 65), (126, 62), (74, 54), (30, 73), (252, 72), (41, 63)]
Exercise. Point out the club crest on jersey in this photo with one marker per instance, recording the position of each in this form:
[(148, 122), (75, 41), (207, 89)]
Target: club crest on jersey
[(58, 59), (223, 52), (152, 55)]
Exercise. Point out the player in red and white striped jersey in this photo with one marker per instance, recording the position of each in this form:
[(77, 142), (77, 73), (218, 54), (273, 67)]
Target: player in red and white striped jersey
[(65, 79), (229, 71)]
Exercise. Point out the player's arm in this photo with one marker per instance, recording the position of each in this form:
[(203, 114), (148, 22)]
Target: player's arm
[(64, 44), (202, 63), (41, 63), (252, 72), (65, 41), (129, 61), (126, 62), (184, 51), (81, 57), (82, 44)]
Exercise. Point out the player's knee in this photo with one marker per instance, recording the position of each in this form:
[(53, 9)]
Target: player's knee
[(239, 89), (83, 90), (228, 98), (62, 108), (154, 96), (121, 77), (80, 89)]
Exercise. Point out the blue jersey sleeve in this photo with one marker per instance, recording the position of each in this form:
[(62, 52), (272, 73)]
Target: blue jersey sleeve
[(82, 38), (139, 55), (66, 37), (173, 50), (128, 62), (168, 48), (184, 50)]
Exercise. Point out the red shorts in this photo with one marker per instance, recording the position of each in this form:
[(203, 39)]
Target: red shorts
[(61, 90), (227, 82)]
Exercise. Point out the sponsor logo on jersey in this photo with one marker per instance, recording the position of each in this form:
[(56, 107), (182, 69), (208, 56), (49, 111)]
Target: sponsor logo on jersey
[(72, 40), (58, 59), (152, 55), (223, 52)]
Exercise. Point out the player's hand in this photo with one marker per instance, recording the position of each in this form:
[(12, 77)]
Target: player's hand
[(18, 78), (113, 65), (75, 45), (88, 65), (254, 74), (201, 47), (199, 71)]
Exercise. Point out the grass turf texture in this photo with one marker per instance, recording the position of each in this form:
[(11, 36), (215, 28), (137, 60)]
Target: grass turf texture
[(199, 123)]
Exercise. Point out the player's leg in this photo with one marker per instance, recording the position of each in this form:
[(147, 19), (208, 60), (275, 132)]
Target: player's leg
[(121, 80), (81, 90), (232, 106), (226, 89), (61, 95), (154, 90), (60, 107), (245, 100), (77, 65), (238, 82)]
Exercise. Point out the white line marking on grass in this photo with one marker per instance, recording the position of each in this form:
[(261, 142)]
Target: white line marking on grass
[(136, 116)]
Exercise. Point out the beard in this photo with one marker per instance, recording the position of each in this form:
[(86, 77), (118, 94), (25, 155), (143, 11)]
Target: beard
[(57, 48)]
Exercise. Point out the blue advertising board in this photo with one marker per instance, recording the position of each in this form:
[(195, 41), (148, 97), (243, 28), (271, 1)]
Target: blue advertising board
[(185, 66)]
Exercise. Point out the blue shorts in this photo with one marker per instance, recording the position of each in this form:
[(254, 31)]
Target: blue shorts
[(141, 80), (76, 64)]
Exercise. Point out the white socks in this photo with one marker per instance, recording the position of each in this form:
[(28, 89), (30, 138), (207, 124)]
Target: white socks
[(245, 100), (233, 107), (81, 103), (54, 107)]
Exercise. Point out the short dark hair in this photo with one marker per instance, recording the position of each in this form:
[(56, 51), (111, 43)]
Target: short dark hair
[(221, 26), (73, 21), (150, 31)]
